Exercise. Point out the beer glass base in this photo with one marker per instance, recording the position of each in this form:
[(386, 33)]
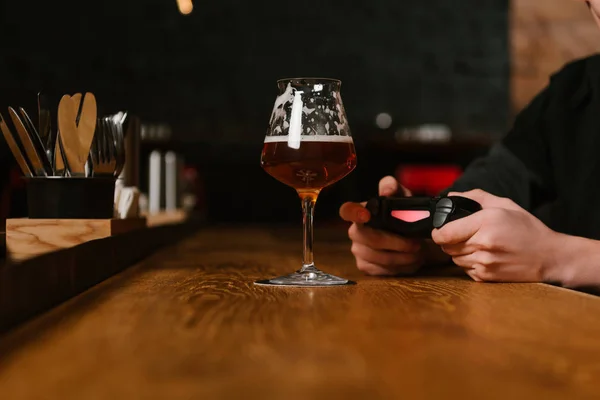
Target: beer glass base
[(306, 279)]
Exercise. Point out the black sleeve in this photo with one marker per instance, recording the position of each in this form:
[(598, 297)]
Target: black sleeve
[(518, 167)]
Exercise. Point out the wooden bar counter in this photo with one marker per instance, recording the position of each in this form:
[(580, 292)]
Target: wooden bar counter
[(188, 323)]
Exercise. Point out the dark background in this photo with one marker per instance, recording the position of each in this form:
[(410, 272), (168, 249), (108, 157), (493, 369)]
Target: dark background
[(211, 76)]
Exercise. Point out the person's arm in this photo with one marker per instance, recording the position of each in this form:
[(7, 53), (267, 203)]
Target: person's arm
[(575, 262), (518, 166), (505, 243), (501, 173)]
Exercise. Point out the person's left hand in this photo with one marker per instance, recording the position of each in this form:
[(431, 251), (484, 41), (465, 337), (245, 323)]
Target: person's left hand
[(500, 243)]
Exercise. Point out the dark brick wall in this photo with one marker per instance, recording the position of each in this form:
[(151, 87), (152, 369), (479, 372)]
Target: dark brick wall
[(212, 74)]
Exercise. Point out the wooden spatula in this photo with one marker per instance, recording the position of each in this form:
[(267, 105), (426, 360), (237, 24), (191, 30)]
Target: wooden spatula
[(14, 148), (77, 103), (76, 140), (58, 156), (67, 114), (86, 124)]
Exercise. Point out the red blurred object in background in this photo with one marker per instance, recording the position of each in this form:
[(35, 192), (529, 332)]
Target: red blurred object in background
[(428, 180)]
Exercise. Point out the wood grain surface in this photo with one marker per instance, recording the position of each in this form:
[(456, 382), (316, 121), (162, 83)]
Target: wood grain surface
[(188, 323), (27, 238), (30, 287)]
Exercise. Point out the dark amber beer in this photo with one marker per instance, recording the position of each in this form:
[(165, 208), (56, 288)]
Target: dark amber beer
[(310, 164)]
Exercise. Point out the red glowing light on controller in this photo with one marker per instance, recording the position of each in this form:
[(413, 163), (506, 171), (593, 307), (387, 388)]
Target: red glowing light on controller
[(410, 216)]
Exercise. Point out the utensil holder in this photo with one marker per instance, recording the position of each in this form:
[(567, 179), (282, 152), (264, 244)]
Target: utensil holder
[(70, 197)]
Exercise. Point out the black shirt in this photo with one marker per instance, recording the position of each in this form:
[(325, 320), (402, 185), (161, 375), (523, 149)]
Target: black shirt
[(549, 163)]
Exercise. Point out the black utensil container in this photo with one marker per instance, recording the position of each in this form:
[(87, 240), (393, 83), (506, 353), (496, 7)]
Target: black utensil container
[(70, 198)]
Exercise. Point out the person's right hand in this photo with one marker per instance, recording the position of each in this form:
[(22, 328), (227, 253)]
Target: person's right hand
[(378, 252)]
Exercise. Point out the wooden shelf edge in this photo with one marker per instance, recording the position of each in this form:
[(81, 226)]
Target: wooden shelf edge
[(28, 238), (35, 285)]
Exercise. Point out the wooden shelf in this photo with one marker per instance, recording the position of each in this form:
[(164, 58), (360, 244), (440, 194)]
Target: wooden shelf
[(27, 238), (31, 285)]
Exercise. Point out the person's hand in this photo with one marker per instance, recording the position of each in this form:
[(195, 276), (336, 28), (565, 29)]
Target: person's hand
[(378, 252), (500, 243)]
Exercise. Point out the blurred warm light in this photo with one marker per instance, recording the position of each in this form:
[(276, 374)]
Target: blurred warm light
[(185, 6)]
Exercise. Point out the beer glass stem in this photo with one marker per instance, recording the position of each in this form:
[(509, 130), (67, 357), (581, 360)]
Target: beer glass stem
[(308, 207)]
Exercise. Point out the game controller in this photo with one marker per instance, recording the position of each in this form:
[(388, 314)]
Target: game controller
[(417, 216)]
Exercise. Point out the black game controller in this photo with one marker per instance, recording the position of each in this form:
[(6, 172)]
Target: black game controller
[(417, 216)]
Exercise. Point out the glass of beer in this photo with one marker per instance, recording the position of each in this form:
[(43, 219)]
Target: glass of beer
[(308, 146)]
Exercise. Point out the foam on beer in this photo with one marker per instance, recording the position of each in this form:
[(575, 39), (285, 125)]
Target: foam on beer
[(311, 138)]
